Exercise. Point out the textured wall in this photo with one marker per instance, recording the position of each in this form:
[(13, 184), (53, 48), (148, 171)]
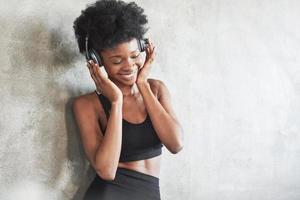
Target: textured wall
[(232, 68)]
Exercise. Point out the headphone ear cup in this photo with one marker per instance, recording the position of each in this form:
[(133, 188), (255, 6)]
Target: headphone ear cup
[(91, 54), (142, 44), (95, 57)]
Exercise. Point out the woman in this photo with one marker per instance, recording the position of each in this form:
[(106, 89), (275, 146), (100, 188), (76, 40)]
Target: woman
[(129, 118)]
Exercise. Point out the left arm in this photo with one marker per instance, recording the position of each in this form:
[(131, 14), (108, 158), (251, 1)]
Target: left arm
[(162, 116)]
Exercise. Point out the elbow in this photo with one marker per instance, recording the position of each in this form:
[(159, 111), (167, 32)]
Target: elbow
[(177, 149), (174, 149), (105, 170), (179, 144), (106, 174)]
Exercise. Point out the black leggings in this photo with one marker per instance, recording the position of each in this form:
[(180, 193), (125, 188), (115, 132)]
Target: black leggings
[(127, 185)]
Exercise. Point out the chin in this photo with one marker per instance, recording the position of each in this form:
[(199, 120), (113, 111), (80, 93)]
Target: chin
[(131, 82)]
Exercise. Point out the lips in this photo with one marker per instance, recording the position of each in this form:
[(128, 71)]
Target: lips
[(128, 75)]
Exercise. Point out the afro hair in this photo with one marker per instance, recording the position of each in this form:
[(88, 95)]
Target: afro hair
[(108, 23)]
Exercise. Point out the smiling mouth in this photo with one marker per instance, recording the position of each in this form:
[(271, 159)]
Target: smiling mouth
[(128, 76)]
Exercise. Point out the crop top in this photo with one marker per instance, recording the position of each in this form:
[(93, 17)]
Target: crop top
[(139, 140)]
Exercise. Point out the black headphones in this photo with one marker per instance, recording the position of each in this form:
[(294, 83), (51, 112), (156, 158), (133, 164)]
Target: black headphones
[(91, 54)]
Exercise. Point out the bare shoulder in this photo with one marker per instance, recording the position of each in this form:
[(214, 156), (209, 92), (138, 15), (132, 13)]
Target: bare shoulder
[(154, 82), (85, 97), (155, 85), (86, 103), (164, 96)]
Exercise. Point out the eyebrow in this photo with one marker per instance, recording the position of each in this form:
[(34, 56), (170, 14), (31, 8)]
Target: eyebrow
[(120, 55)]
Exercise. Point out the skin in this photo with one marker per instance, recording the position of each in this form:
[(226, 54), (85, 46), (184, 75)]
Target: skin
[(131, 99)]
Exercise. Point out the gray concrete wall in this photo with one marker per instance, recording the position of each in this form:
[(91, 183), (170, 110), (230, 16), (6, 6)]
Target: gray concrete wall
[(232, 68)]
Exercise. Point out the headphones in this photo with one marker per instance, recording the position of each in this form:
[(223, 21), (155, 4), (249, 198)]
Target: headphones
[(91, 54)]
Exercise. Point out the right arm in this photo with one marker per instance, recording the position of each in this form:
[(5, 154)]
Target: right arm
[(102, 151)]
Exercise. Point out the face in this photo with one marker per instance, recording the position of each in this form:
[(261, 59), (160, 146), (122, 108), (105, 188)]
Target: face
[(123, 62)]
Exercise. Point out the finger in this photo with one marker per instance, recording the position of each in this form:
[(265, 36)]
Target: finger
[(149, 40), (91, 67), (98, 81), (152, 54), (98, 86), (151, 51), (151, 47), (94, 75), (97, 73), (150, 43), (155, 51)]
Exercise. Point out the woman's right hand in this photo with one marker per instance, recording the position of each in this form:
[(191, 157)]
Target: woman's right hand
[(104, 84)]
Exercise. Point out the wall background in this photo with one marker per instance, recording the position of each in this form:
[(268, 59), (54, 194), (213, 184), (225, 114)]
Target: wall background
[(232, 68)]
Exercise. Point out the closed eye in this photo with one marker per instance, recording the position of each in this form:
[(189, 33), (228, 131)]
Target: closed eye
[(118, 62), (136, 56)]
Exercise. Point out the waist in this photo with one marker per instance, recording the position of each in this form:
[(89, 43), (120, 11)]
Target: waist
[(149, 166)]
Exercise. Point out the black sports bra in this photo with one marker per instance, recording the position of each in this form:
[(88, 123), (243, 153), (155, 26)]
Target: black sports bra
[(139, 141)]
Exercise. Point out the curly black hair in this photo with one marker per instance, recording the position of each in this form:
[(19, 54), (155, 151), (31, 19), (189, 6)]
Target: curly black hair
[(108, 23)]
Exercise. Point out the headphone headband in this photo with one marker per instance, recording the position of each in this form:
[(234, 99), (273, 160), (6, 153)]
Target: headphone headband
[(92, 54), (86, 46)]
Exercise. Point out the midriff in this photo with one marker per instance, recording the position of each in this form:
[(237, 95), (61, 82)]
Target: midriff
[(149, 166)]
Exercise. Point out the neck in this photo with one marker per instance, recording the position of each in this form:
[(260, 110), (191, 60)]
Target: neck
[(129, 91)]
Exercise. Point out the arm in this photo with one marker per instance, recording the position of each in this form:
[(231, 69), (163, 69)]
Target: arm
[(162, 116), (103, 152)]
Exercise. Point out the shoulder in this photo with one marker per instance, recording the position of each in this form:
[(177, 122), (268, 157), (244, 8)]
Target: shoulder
[(155, 82), (88, 107), (158, 86), (85, 103), (86, 99), (164, 97)]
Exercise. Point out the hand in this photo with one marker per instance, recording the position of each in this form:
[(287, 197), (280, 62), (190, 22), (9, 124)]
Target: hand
[(144, 71), (104, 84)]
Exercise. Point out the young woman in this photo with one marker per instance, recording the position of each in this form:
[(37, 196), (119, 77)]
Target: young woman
[(129, 118)]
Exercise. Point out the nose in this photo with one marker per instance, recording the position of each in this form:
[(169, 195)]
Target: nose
[(129, 65)]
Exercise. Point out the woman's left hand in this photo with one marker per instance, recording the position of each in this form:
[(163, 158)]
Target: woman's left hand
[(144, 72)]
